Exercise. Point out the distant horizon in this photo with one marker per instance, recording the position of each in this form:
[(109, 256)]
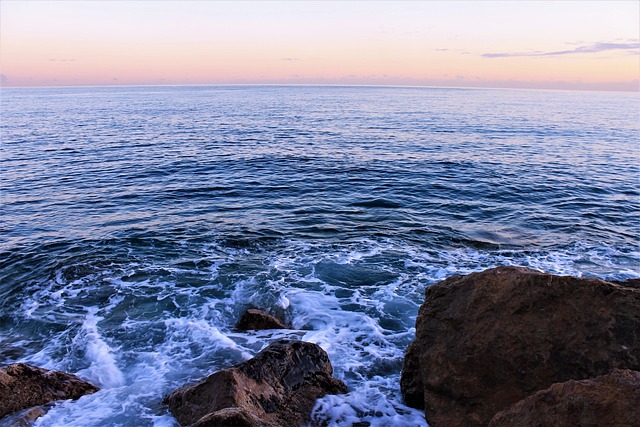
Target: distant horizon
[(336, 85), (563, 45)]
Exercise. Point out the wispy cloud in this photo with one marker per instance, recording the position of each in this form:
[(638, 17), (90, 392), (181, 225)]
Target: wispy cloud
[(632, 47), (289, 59), (61, 60), (460, 51)]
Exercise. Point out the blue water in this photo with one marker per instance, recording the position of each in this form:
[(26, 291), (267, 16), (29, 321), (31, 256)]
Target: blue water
[(137, 223)]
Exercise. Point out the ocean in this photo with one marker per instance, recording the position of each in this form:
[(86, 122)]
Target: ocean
[(138, 223)]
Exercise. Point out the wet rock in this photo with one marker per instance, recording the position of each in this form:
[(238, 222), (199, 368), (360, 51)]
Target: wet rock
[(278, 387), (24, 386), (256, 319), (24, 418), (488, 340), (235, 417), (608, 400)]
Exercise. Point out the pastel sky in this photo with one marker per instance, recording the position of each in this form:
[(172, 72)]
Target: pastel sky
[(587, 45)]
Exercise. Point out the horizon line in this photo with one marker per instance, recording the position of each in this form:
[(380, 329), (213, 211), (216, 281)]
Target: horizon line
[(637, 90)]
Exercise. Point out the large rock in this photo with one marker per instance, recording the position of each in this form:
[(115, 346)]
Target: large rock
[(278, 387), (24, 386), (488, 340), (608, 400), (256, 319)]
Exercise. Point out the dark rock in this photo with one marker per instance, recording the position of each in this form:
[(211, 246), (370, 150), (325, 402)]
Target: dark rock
[(232, 417), (278, 387), (631, 283), (411, 380), (256, 319), (608, 400), (24, 418), (488, 340), (24, 386)]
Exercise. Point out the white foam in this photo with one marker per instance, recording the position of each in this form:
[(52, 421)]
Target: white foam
[(139, 356), (375, 401), (103, 369), (203, 333)]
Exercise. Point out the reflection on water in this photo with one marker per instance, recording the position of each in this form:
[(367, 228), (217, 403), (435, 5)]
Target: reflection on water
[(136, 224)]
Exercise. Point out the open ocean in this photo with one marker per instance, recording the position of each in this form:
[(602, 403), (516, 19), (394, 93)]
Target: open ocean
[(137, 223)]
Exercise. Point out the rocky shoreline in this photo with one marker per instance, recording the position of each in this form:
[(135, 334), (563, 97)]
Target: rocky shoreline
[(503, 346)]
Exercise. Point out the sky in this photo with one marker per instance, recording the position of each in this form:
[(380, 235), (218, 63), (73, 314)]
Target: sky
[(583, 45)]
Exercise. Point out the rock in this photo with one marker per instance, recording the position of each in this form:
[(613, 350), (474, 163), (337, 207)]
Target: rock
[(608, 400), (24, 418), (235, 417), (488, 340), (278, 387), (24, 386), (411, 379), (631, 283), (256, 319)]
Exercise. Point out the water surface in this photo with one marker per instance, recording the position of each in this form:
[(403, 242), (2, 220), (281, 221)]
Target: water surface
[(137, 223)]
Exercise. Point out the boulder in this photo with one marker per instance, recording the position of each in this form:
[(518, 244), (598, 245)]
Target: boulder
[(278, 387), (607, 400), (23, 386), (256, 319), (488, 340)]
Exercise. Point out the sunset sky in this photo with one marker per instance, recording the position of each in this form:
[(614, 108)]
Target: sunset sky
[(589, 45)]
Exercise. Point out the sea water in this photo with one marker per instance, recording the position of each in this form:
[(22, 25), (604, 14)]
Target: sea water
[(137, 223)]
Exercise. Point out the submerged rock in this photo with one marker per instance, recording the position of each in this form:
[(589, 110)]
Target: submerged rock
[(24, 386), (278, 387), (488, 340), (256, 319), (608, 400)]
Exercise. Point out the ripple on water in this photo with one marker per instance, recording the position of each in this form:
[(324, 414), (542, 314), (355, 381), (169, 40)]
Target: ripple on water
[(138, 223)]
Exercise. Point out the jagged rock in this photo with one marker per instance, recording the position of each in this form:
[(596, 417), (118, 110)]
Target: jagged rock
[(608, 400), (256, 319), (24, 386), (278, 387), (488, 340)]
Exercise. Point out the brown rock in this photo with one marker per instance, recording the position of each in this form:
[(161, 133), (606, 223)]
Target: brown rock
[(487, 340), (256, 319), (278, 387), (232, 417), (411, 380), (24, 386), (631, 283), (24, 418), (606, 401)]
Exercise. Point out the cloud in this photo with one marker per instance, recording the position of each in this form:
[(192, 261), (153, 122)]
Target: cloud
[(61, 60), (591, 48), (289, 59), (460, 51)]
